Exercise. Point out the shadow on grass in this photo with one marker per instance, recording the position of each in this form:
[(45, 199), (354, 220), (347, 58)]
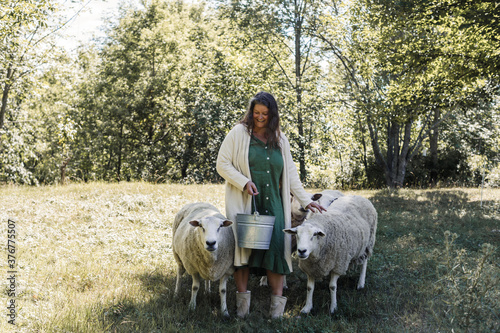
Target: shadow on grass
[(395, 298), (428, 214), (160, 311), (388, 294)]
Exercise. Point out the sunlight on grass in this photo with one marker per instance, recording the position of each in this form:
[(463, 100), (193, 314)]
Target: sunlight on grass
[(97, 258), (84, 244)]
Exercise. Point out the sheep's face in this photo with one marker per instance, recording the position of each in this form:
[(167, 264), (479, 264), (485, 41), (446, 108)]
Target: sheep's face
[(325, 199), (299, 214), (209, 228), (307, 239)]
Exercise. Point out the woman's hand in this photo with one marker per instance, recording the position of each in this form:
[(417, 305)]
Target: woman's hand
[(251, 188), (314, 207)]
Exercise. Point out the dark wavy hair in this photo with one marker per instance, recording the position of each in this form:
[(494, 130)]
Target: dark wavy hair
[(273, 129)]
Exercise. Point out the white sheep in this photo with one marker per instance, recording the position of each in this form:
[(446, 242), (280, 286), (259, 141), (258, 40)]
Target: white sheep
[(324, 198), (204, 247), (299, 214), (328, 243)]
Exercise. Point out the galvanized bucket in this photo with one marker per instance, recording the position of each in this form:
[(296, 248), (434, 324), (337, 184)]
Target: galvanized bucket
[(254, 230)]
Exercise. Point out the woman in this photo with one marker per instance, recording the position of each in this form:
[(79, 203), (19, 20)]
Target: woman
[(255, 160)]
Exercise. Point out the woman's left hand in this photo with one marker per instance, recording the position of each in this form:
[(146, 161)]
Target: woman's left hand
[(314, 207)]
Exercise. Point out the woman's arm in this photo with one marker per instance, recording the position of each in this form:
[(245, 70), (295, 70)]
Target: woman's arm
[(225, 158)]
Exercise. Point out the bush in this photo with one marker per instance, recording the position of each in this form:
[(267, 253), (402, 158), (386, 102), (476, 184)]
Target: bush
[(466, 293)]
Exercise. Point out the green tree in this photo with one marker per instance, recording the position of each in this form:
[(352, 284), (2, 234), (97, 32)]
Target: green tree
[(403, 86), (280, 33), (23, 26), (161, 95)]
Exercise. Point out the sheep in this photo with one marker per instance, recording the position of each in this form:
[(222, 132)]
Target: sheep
[(328, 243), (299, 214), (324, 198), (204, 247)]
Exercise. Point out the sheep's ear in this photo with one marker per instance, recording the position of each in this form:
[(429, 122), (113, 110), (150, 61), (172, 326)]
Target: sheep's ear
[(332, 201), (195, 223), (291, 231), (316, 196), (227, 223), (319, 233)]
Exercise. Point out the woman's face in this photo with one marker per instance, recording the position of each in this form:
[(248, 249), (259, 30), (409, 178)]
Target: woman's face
[(260, 116)]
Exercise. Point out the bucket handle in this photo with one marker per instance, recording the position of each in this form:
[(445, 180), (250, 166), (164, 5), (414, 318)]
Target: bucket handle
[(255, 213)]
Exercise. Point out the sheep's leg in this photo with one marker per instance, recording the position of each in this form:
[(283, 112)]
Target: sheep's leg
[(207, 286), (362, 275), (194, 291), (222, 293), (309, 299), (263, 282), (333, 291), (180, 271)]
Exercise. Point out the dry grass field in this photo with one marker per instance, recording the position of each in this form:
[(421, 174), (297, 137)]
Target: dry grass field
[(97, 258)]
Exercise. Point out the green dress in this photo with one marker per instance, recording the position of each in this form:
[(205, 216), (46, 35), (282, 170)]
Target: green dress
[(266, 167)]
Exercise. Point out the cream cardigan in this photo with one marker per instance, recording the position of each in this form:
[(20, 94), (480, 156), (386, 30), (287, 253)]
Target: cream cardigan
[(232, 165)]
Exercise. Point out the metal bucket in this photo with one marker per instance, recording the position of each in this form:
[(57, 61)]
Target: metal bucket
[(254, 230)]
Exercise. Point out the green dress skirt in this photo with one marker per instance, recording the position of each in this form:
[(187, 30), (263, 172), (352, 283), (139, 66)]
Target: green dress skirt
[(266, 168)]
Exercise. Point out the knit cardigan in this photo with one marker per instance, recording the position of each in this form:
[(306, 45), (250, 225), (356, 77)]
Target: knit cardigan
[(233, 166)]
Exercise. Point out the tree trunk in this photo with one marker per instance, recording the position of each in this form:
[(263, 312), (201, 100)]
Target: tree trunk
[(341, 169), (5, 96), (379, 158), (187, 156), (119, 165), (363, 143), (298, 90), (433, 143), (62, 168), (393, 152), (403, 157), (395, 162)]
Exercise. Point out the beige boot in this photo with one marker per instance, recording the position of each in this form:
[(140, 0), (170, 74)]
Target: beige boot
[(277, 306), (242, 304)]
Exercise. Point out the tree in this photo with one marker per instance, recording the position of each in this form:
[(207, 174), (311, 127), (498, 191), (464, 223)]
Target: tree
[(22, 31), (161, 95), (402, 83), (280, 31)]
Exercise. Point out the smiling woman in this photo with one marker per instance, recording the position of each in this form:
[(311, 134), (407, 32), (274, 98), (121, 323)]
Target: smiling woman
[(255, 161), (261, 118)]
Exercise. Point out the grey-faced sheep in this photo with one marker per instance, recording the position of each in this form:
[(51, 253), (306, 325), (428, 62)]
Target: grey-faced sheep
[(204, 247), (328, 243)]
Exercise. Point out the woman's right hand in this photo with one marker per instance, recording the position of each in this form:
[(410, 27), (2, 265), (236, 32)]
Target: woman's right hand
[(251, 188)]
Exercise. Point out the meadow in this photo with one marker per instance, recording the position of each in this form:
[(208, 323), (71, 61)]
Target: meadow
[(97, 257)]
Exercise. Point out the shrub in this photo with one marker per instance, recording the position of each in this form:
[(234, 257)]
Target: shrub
[(466, 289)]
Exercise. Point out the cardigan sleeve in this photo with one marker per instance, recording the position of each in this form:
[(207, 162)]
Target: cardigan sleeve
[(295, 184), (227, 155)]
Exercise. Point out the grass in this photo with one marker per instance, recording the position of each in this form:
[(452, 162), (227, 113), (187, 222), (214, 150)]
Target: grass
[(97, 258)]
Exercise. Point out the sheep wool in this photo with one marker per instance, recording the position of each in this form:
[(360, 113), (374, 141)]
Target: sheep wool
[(328, 243), (204, 247), (323, 198)]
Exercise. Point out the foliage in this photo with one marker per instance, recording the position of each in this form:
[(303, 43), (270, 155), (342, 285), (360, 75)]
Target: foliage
[(23, 32), (398, 75), (466, 290), (167, 91), (25, 36), (372, 93), (281, 33)]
